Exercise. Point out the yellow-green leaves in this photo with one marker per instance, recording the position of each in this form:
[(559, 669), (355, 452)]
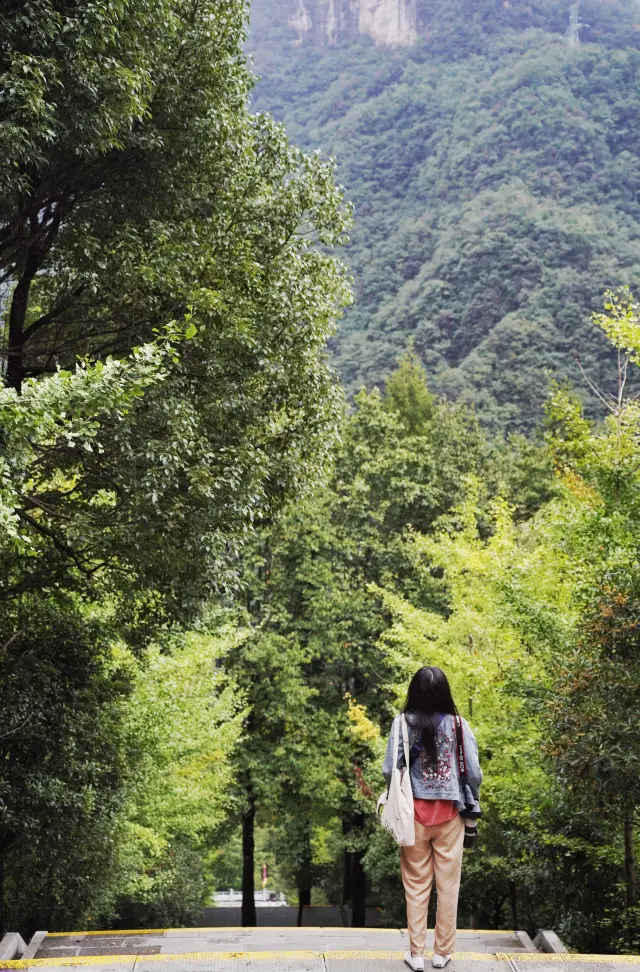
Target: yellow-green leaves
[(621, 323)]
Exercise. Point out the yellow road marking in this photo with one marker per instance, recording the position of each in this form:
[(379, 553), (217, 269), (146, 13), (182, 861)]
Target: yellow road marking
[(552, 958), (69, 960), (360, 954), (355, 955), (227, 928), (114, 934), (79, 960), (282, 929)]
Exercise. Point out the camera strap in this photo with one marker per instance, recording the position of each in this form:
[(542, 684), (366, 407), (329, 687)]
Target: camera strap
[(462, 759)]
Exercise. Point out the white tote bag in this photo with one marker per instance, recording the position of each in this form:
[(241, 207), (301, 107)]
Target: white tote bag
[(397, 814)]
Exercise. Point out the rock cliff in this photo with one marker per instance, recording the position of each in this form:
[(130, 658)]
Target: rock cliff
[(328, 21)]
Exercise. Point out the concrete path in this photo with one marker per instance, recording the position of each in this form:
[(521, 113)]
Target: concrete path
[(279, 949), (279, 940), (286, 916)]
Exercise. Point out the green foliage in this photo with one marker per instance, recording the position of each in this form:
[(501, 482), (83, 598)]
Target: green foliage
[(407, 395), (136, 453), (64, 766), (68, 444), (116, 771), (322, 586), (495, 178), (539, 642), (173, 463), (182, 727), (597, 746), (125, 207)]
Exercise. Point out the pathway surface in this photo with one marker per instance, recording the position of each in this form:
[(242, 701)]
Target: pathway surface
[(280, 949), (286, 916)]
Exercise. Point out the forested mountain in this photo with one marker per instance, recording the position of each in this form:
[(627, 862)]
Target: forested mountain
[(491, 152)]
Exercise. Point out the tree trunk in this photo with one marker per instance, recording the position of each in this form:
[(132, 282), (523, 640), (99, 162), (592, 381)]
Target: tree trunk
[(346, 876), (42, 231), (358, 892), (304, 879), (304, 900), (347, 862), (513, 899), (630, 874), (354, 884), (2, 921), (248, 865), (497, 914), (17, 318), (20, 305), (474, 916)]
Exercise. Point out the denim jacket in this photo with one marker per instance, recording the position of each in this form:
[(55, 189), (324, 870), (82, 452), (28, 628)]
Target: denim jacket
[(440, 782)]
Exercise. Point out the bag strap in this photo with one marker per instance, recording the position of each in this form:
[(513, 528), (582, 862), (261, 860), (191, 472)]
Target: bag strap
[(396, 733), (401, 723), (405, 739), (468, 798)]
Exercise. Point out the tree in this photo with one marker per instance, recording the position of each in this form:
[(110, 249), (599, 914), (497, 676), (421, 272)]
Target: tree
[(64, 753), (541, 622), (68, 444), (182, 729), (64, 762), (593, 708), (594, 705), (406, 394), (140, 190), (398, 469), (268, 669)]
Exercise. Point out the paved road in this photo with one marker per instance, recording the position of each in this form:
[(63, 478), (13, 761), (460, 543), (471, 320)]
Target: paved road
[(279, 949), (286, 916), (257, 940)]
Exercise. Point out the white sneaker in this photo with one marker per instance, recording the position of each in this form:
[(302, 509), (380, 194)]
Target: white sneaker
[(439, 961), (415, 962)]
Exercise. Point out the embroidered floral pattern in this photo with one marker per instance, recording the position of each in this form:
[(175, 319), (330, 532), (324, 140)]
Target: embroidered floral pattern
[(433, 776)]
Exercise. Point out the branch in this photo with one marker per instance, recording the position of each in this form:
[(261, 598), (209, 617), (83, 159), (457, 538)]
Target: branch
[(61, 545), (42, 213), (10, 732), (53, 314), (623, 379), (13, 637), (38, 504), (611, 405), (8, 274)]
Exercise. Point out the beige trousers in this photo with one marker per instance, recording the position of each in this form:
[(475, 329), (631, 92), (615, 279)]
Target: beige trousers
[(437, 851)]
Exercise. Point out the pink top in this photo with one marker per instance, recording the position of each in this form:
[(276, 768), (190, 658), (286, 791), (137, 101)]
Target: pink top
[(432, 812)]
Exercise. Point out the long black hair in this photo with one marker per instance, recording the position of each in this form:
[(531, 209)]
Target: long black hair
[(429, 695)]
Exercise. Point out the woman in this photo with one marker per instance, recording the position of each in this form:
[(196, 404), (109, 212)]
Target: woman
[(438, 802)]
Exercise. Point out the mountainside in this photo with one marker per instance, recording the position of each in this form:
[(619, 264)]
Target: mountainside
[(492, 153), (329, 21)]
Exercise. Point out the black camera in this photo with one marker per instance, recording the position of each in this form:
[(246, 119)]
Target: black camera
[(470, 836)]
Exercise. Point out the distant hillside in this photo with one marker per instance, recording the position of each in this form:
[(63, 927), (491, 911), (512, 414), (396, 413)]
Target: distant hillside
[(495, 170)]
